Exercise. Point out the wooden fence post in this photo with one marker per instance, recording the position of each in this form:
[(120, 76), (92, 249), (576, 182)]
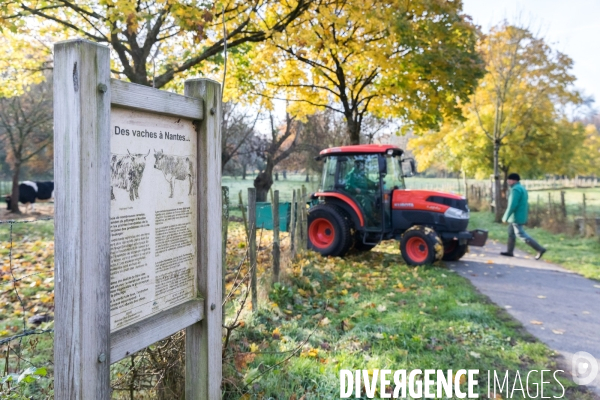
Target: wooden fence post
[(276, 251), (298, 245), (203, 339), (584, 231), (293, 213), (224, 232), (243, 209), (252, 245), (304, 214), (82, 99), (563, 206)]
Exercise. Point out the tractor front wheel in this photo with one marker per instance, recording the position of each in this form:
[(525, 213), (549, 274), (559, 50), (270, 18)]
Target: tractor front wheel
[(329, 230), (421, 245), (454, 251)]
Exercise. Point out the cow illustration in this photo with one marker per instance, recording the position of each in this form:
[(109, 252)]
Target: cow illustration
[(126, 172), (175, 168)]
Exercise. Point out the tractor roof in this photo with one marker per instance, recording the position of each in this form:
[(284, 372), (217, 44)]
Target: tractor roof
[(361, 149)]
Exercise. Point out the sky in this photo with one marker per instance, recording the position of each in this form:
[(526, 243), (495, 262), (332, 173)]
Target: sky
[(570, 26)]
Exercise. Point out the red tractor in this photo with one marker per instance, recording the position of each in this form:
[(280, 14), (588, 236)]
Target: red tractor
[(363, 200)]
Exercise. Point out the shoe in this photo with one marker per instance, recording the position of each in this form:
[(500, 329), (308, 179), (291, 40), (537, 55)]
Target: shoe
[(540, 254), (507, 254), (537, 247)]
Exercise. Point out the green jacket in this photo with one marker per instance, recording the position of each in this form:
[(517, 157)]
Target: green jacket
[(518, 205), (358, 180)]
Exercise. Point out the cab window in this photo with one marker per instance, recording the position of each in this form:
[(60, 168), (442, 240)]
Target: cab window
[(359, 174), (394, 179), (328, 183)]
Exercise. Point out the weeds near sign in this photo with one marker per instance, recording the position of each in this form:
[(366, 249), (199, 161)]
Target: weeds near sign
[(27, 308)]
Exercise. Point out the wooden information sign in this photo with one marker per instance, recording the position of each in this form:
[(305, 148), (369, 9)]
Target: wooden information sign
[(153, 218), (138, 200)]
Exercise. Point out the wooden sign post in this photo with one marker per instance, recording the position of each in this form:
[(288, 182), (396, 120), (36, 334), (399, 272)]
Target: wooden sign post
[(138, 202)]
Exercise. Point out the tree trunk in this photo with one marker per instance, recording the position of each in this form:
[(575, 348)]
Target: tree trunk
[(264, 181), (14, 196), (307, 179), (353, 130), (284, 174), (244, 172), (497, 188), (505, 185)]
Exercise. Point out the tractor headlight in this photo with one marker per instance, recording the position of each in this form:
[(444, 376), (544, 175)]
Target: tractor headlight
[(456, 213)]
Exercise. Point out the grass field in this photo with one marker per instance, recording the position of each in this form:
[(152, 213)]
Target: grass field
[(371, 311), (285, 186)]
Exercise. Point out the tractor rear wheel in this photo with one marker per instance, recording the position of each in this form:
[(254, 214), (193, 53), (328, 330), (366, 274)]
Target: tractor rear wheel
[(421, 245), (454, 251), (329, 230)]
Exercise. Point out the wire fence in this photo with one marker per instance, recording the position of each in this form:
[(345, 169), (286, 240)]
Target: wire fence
[(27, 307)]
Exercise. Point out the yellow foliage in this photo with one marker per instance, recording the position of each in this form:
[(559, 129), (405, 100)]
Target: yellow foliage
[(519, 105), (362, 56)]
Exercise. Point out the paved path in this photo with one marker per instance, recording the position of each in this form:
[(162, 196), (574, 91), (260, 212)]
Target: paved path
[(564, 306)]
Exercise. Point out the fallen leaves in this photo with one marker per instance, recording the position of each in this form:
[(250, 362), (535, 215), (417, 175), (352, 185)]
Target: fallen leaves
[(31, 272), (312, 352), (243, 359), (535, 322), (276, 334)]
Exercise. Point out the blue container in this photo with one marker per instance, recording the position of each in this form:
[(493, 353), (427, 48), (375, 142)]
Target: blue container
[(264, 216)]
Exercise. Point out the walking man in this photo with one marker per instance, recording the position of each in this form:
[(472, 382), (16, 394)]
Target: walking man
[(516, 217)]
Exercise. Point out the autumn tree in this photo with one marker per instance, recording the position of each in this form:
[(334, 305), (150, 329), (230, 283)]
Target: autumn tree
[(515, 120), (23, 62), (319, 131), (410, 60), (586, 158), (153, 41), (248, 156), (26, 130), (237, 128), (280, 143)]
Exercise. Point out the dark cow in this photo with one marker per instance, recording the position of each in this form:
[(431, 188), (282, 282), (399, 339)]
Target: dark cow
[(126, 173), (30, 191), (175, 167)]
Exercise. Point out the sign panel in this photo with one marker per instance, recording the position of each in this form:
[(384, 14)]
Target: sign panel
[(153, 217)]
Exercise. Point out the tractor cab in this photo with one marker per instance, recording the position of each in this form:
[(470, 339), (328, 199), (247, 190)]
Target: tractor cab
[(366, 176), (363, 200)]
